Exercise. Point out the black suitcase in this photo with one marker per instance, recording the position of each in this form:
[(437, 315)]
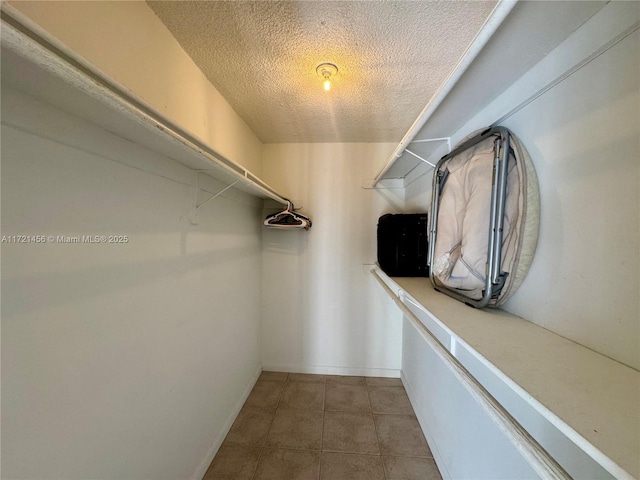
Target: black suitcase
[(402, 244)]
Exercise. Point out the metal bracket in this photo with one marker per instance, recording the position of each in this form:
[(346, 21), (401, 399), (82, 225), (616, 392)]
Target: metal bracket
[(439, 139), (428, 140), (217, 194), (194, 210), (419, 157)]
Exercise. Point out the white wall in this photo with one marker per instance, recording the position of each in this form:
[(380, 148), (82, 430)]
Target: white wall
[(129, 43), (119, 360), (583, 136), (322, 311), (417, 194)]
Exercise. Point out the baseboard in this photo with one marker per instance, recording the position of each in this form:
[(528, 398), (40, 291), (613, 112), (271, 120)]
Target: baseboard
[(332, 370), (204, 465), (425, 429)]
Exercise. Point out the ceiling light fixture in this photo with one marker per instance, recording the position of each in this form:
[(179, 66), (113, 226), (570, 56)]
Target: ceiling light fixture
[(327, 71)]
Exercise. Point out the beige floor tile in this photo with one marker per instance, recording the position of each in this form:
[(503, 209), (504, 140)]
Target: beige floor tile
[(307, 378), (347, 466), (234, 463), (274, 376), (347, 398), (265, 394), (390, 400), (308, 396), (401, 435), (346, 380), (349, 433), (383, 382), (251, 427), (411, 468), (278, 464), (296, 429)]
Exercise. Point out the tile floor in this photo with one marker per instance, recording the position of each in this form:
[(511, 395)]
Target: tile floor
[(324, 427)]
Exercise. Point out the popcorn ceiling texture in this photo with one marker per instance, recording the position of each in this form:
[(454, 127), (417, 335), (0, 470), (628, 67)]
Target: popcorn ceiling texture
[(262, 57)]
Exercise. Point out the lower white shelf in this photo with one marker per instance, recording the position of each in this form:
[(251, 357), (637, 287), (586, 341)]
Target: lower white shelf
[(582, 407)]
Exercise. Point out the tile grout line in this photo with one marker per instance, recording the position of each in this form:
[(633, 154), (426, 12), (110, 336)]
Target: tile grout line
[(384, 469), (255, 470), (368, 387), (375, 428), (260, 457), (324, 395), (324, 413)]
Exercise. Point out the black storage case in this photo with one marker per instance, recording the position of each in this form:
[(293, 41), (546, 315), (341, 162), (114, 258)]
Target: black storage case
[(402, 244)]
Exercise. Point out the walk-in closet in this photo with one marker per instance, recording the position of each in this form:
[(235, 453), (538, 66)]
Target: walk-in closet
[(195, 200)]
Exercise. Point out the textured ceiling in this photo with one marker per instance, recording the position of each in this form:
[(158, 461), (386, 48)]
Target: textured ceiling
[(392, 56)]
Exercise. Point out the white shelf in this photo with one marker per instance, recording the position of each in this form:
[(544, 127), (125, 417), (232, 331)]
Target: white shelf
[(593, 400), (53, 75), (526, 34)]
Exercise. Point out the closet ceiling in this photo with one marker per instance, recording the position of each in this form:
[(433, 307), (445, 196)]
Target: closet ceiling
[(261, 56)]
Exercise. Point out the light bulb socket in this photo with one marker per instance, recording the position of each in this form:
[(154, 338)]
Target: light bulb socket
[(327, 70)]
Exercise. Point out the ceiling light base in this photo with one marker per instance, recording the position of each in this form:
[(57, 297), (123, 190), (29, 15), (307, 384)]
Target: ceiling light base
[(327, 70)]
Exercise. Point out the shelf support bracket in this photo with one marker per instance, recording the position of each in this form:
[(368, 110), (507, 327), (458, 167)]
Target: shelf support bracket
[(194, 210), (440, 139), (401, 149), (217, 194), (419, 157)]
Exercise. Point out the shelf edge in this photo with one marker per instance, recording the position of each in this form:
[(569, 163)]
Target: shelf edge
[(27, 40), (497, 16)]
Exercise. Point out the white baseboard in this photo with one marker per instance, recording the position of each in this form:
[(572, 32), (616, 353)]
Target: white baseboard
[(331, 370), (204, 465), (433, 445)]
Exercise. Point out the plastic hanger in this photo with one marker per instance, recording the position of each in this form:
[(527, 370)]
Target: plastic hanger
[(287, 219)]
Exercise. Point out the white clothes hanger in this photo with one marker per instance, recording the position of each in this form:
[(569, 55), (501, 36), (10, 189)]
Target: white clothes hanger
[(287, 219)]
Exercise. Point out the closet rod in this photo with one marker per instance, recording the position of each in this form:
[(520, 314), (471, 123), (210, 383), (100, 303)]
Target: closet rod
[(498, 15), (28, 40), (537, 457)]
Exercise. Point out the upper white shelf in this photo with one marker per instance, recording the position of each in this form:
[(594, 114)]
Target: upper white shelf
[(516, 37), (32, 65)]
